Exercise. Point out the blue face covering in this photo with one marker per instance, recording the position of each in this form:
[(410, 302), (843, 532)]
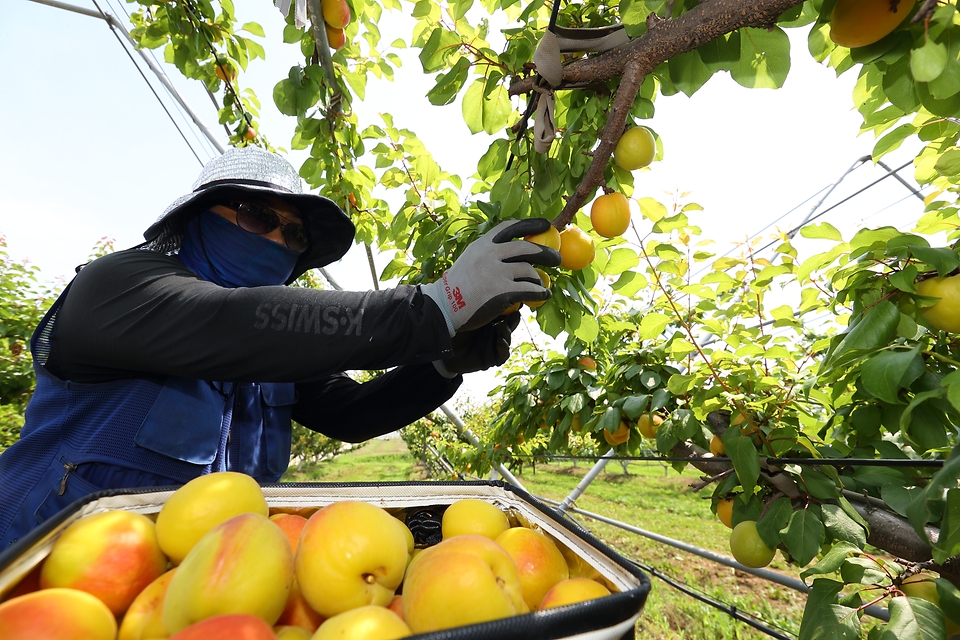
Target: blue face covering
[(219, 251)]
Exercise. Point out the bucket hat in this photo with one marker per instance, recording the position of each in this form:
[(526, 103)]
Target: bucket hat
[(247, 171)]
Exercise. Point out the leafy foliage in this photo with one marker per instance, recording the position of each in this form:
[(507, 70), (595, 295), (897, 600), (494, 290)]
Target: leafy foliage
[(783, 355)]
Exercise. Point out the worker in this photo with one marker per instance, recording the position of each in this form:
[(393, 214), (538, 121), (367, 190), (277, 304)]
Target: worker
[(186, 355)]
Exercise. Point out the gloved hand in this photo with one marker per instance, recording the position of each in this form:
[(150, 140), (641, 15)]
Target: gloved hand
[(493, 273), (481, 348)]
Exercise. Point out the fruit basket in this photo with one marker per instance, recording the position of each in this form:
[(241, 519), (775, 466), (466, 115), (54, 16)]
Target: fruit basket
[(612, 617)]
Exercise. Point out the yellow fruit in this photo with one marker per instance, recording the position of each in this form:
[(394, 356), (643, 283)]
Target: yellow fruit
[(472, 516), (363, 623), (945, 314), (576, 249), (112, 555), (716, 445), (545, 281), (144, 617), (921, 585), (588, 363), (648, 425), (575, 423), (463, 580), (549, 238), (225, 68), (336, 13), (635, 149), (336, 38), (621, 435), (748, 547), (351, 554), (857, 23), (725, 512), (63, 614), (610, 214), (540, 565), (572, 591), (242, 566), (203, 503)]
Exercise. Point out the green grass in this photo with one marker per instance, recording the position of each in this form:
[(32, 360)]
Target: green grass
[(648, 498)]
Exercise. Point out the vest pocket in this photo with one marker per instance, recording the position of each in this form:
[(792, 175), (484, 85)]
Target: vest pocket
[(184, 422), (66, 489)]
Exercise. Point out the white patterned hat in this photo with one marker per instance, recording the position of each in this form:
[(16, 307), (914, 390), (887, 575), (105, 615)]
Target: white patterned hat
[(249, 171)]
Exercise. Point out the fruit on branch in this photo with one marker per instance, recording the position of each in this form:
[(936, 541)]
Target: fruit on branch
[(351, 554), (921, 585), (588, 363), (575, 423), (549, 238), (203, 503), (472, 516), (65, 614), (648, 425), (748, 547), (545, 281), (621, 435), (243, 565), (945, 314), (610, 214), (857, 23), (112, 555), (572, 591), (336, 13), (225, 68), (336, 38), (725, 512), (576, 249), (635, 149), (466, 579), (540, 565), (716, 445), (363, 623)]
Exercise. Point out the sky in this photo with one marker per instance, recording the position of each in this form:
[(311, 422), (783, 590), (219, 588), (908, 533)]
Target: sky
[(88, 152)]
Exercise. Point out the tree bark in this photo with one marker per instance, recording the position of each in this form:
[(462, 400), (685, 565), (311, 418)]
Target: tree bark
[(664, 39)]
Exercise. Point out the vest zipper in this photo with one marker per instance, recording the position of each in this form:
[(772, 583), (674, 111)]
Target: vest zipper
[(70, 467)]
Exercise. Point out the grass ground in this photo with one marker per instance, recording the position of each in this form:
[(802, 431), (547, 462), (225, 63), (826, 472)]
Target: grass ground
[(647, 497)]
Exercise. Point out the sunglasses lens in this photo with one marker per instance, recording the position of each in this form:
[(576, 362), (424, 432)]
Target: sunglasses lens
[(295, 237), (256, 218)]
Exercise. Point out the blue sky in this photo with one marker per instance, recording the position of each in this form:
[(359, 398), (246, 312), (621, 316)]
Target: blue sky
[(88, 151)]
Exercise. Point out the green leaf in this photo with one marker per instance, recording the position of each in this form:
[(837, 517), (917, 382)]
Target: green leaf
[(633, 406), (688, 72), (486, 106), (441, 44), (621, 260), (652, 325), (943, 259), (804, 535), (913, 618), (946, 478), (823, 593), (885, 373), (823, 230), (629, 283), (948, 544), (588, 330), (743, 454), (254, 28), (842, 527), (764, 58), (928, 61), (831, 560), (875, 329), (774, 520), (949, 598)]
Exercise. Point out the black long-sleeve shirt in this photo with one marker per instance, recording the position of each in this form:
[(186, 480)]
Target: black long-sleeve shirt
[(141, 314)]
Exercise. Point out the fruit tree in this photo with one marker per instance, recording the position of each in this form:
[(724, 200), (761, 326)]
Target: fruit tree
[(876, 380)]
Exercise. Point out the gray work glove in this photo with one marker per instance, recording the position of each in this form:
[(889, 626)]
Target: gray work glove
[(480, 349), (493, 273)]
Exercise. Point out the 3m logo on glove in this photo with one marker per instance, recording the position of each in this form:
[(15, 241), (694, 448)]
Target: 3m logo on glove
[(453, 295)]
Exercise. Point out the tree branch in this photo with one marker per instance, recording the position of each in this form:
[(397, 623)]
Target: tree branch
[(632, 62)]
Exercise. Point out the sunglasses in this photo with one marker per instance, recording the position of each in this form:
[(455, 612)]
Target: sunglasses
[(261, 220)]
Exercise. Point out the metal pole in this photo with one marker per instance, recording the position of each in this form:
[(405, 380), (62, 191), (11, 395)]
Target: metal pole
[(472, 439), (585, 482), (766, 574), (161, 76)]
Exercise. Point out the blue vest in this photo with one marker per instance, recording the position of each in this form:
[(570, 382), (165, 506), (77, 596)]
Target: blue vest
[(82, 438)]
